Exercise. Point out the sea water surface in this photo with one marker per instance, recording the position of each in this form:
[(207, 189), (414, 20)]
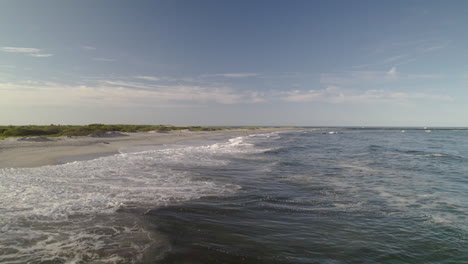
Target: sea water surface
[(355, 196)]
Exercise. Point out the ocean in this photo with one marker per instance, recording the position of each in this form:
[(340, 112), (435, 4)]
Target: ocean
[(302, 196)]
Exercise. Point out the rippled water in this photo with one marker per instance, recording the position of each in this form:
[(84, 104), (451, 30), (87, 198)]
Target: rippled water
[(356, 196)]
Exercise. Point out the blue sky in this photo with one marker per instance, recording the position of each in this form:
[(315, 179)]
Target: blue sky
[(306, 63)]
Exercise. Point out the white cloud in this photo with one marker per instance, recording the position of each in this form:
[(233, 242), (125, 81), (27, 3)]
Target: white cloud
[(299, 96), (88, 47), (353, 77), (184, 93), (41, 55), (433, 48), (127, 84), (19, 50), (119, 93), (425, 76), (394, 58), (392, 72), (232, 75), (129, 91), (333, 94), (33, 52), (147, 78), (103, 59), (371, 77)]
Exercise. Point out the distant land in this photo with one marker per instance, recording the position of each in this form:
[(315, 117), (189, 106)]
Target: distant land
[(95, 129)]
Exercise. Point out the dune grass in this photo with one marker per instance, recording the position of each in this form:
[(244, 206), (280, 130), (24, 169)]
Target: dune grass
[(93, 129)]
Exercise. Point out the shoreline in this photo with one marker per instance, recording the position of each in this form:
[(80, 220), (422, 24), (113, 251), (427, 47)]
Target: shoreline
[(16, 153)]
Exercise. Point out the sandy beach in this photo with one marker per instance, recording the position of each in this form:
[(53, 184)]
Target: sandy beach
[(36, 152)]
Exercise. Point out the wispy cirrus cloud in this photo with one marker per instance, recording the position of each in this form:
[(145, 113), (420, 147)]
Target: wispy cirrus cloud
[(117, 93), (432, 48), (121, 92), (395, 58), (398, 53), (19, 50), (425, 76), (168, 79), (232, 75), (350, 87), (372, 77), (356, 77), (103, 59), (33, 52), (189, 93), (336, 95), (85, 47), (41, 55), (128, 85), (147, 78)]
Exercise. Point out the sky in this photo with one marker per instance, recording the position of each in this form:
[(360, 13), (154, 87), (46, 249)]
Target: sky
[(239, 63)]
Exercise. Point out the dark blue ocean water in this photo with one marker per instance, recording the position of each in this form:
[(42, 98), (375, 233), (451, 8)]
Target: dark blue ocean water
[(355, 196), (359, 196)]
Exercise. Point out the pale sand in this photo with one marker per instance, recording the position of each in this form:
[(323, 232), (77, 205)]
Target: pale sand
[(25, 154)]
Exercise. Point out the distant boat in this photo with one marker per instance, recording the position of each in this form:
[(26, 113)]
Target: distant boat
[(403, 131), (428, 130)]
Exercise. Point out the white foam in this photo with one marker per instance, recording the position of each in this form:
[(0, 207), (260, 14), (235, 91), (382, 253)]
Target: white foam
[(436, 155), (39, 207), (269, 136)]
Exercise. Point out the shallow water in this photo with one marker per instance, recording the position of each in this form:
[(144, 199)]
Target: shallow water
[(358, 196)]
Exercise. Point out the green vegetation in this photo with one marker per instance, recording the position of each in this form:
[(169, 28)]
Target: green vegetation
[(93, 129)]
